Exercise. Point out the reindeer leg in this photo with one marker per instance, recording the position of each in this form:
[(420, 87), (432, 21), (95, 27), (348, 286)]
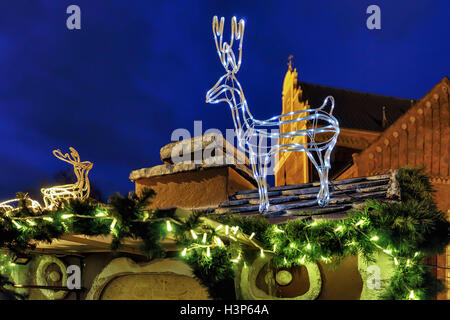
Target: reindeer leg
[(320, 172), (266, 196), (257, 177), (324, 180), (262, 191)]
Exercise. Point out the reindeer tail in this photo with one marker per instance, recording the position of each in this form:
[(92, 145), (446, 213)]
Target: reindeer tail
[(328, 101)]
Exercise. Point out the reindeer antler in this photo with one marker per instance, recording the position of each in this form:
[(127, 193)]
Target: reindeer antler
[(74, 160), (224, 50), (75, 155)]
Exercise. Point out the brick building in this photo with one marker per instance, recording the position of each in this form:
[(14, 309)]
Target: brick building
[(378, 133)]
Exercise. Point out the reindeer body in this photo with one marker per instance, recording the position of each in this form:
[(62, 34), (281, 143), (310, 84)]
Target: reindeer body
[(229, 90)]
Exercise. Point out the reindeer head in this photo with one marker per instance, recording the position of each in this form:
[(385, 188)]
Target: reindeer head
[(226, 56), (73, 159)]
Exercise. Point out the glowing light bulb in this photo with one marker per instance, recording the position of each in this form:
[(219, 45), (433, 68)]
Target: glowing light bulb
[(251, 236), (387, 251), (308, 246), (113, 224), (48, 219), (227, 230), (169, 226), (18, 226), (416, 254), (302, 260), (219, 227), (285, 260), (194, 235), (278, 230), (100, 214), (204, 237), (66, 216), (338, 228), (313, 224), (218, 241), (208, 252), (274, 248), (31, 222), (360, 222), (396, 261), (262, 253), (374, 238), (183, 253), (412, 295)]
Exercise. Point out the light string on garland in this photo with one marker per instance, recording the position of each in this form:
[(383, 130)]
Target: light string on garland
[(305, 254), (211, 239), (205, 242)]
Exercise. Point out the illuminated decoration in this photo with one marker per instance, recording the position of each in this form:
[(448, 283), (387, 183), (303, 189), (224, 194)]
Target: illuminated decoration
[(7, 206), (252, 133), (80, 189), (287, 246), (53, 195), (366, 230)]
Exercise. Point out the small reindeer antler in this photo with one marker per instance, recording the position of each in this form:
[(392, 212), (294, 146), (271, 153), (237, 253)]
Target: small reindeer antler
[(74, 160), (74, 154), (224, 50)]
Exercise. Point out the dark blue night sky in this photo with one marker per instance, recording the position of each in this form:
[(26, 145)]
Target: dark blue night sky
[(116, 89)]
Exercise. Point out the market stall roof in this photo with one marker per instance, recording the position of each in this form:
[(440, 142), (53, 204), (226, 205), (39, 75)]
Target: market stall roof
[(299, 201), (289, 202)]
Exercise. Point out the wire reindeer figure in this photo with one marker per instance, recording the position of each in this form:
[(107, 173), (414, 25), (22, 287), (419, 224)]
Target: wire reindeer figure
[(53, 195), (251, 133), (80, 189)]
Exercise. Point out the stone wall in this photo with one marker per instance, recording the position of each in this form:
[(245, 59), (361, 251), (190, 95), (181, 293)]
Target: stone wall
[(164, 286), (160, 279)]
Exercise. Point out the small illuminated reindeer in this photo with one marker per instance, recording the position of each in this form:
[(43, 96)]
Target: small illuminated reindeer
[(80, 189), (229, 90)]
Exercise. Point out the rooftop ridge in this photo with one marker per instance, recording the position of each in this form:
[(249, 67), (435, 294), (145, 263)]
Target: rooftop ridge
[(354, 91)]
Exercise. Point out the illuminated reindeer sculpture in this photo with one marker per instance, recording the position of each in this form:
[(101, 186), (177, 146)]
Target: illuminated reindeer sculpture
[(250, 130), (80, 189)]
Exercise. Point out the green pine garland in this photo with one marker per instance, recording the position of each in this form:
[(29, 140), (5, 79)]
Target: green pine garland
[(408, 231)]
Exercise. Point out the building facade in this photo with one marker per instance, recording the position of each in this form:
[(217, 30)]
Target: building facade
[(378, 133)]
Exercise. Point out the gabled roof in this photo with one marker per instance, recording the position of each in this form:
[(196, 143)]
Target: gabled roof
[(419, 138), (299, 201), (354, 109)]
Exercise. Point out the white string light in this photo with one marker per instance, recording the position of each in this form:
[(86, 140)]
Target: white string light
[(252, 133), (169, 226)]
